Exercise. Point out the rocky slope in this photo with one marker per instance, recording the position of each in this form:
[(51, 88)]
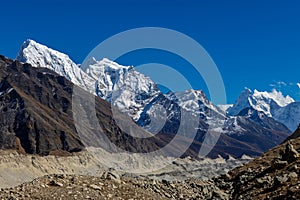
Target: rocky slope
[(274, 175), (108, 187), (37, 116)]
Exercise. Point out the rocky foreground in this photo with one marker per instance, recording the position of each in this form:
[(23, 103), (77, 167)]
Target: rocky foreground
[(111, 187), (275, 175)]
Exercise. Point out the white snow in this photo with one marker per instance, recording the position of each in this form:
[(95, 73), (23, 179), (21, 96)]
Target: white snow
[(261, 101), (282, 108), (123, 86), (194, 101), (289, 115), (39, 55), (225, 107)]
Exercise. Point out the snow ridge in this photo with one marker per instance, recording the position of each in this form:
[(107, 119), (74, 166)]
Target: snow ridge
[(123, 86), (284, 109), (39, 55), (261, 101)]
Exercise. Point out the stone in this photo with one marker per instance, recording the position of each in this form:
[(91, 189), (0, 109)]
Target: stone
[(110, 175), (280, 179), (95, 187), (279, 164), (55, 183), (293, 175), (290, 154)]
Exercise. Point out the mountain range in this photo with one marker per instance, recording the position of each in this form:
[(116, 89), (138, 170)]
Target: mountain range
[(255, 123)]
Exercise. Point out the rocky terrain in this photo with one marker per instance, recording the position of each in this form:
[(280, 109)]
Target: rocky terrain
[(16, 168), (111, 187), (275, 175)]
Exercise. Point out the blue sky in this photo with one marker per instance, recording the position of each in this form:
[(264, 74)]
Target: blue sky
[(255, 44)]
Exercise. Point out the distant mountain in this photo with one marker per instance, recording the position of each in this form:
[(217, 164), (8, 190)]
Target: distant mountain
[(288, 115), (260, 101), (283, 109), (250, 134)]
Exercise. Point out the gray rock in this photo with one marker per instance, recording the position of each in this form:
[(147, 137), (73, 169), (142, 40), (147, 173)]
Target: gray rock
[(279, 164), (293, 175), (110, 175), (95, 187), (280, 179), (290, 154), (56, 183)]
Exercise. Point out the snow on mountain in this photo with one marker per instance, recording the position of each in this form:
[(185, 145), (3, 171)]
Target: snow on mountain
[(281, 108), (265, 102), (195, 101), (39, 55), (288, 115), (225, 107), (123, 86)]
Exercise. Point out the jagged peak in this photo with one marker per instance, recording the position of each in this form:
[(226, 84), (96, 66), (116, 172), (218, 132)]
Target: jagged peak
[(276, 96), (105, 62), (261, 101), (30, 50)]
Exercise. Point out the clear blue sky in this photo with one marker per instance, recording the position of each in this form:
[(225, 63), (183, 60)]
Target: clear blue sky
[(255, 44)]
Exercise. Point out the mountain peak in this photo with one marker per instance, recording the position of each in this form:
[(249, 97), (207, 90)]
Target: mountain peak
[(39, 55), (260, 101), (276, 96)]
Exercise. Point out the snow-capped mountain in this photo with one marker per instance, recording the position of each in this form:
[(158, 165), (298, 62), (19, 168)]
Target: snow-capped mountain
[(273, 104), (194, 101), (254, 131), (123, 86), (39, 55), (165, 112), (288, 115), (261, 101)]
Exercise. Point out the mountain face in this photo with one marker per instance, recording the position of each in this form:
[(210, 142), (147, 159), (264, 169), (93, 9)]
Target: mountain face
[(283, 109), (274, 175), (238, 134), (288, 115), (37, 116), (35, 110), (127, 89), (260, 101), (247, 132), (39, 55), (120, 85)]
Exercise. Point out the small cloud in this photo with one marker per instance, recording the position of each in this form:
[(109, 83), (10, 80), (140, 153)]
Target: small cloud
[(281, 83), (287, 88)]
